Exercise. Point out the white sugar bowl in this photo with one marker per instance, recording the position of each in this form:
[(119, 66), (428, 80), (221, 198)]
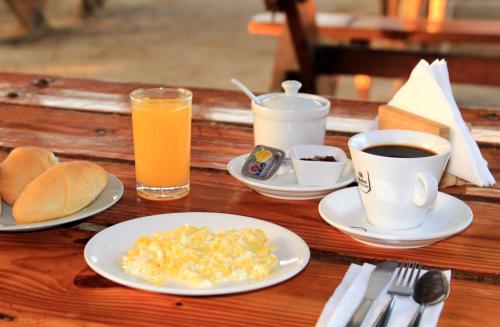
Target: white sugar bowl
[(282, 120)]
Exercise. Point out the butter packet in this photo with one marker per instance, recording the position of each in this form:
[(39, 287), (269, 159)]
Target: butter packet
[(263, 162)]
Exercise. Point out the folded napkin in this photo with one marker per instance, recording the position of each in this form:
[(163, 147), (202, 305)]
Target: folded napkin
[(348, 295), (427, 93)]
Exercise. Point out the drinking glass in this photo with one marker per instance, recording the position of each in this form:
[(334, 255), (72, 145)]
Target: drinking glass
[(161, 121)]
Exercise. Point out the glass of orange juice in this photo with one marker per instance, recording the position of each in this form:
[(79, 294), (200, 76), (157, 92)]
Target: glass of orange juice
[(161, 121)]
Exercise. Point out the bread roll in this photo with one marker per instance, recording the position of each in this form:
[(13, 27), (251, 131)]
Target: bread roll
[(23, 165), (60, 191)]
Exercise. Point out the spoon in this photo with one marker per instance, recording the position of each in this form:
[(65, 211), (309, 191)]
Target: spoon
[(431, 288), (246, 90)]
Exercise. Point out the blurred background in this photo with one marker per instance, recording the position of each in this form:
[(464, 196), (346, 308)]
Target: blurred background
[(199, 43)]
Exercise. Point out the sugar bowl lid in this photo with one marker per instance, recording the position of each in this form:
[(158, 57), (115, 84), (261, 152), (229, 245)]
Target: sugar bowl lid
[(292, 100), (291, 104)]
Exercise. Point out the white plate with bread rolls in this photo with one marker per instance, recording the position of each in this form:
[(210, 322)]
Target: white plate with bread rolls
[(39, 192)]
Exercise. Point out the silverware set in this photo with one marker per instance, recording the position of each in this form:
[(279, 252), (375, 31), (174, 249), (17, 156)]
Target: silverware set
[(402, 285), (429, 289)]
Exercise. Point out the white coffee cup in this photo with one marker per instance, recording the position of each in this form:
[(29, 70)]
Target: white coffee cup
[(398, 192)]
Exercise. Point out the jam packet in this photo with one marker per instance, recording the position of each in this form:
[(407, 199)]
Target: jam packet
[(263, 162)]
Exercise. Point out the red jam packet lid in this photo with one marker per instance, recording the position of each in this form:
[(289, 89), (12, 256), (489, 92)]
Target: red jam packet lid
[(263, 162)]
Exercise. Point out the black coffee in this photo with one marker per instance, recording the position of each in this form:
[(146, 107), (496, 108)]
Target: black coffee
[(399, 151)]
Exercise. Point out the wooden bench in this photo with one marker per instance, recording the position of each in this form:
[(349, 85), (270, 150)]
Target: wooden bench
[(301, 55), (370, 28)]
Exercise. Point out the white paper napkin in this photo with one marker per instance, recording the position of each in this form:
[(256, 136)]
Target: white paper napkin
[(348, 295), (427, 93)]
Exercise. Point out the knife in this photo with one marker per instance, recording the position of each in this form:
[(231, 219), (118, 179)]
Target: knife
[(379, 278)]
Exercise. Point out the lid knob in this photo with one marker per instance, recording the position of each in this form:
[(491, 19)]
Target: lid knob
[(291, 87)]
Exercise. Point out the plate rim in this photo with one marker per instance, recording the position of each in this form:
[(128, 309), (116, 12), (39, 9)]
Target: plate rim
[(290, 189), (350, 231), (287, 196), (64, 220), (392, 246), (198, 292)]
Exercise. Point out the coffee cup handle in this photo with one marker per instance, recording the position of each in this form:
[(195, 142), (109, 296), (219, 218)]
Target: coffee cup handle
[(425, 189)]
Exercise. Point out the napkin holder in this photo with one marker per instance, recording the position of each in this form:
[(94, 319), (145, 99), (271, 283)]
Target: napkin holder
[(394, 118)]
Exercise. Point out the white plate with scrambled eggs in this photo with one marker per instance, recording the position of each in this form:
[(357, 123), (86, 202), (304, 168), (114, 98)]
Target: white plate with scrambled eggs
[(197, 253)]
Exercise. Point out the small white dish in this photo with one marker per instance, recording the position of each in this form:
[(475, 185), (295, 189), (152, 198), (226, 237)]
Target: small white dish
[(343, 210), (109, 196), (317, 172), (285, 186), (104, 251)]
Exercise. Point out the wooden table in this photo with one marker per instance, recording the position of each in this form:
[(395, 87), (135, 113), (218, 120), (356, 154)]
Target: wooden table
[(44, 278)]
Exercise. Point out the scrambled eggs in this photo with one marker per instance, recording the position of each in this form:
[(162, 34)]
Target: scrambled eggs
[(201, 257)]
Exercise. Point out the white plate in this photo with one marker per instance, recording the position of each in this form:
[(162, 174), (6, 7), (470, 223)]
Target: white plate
[(285, 186), (109, 196), (104, 251), (343, 210)]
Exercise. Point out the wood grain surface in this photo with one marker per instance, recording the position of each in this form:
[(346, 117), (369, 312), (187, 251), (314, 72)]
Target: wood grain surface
[(71, 294), (45, 281), (112, 97)]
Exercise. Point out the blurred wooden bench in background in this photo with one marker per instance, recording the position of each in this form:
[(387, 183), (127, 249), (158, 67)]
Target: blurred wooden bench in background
[(300, 28), (371, 28)]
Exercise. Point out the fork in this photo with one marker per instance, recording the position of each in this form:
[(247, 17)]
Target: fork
[(402, 285)]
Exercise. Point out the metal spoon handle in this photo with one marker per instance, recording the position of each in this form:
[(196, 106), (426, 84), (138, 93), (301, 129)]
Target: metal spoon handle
[(245, 90), (417, 317)]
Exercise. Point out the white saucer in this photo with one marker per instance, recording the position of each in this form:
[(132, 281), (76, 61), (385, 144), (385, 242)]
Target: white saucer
[(343, 210), (109, 196), (285, 186)]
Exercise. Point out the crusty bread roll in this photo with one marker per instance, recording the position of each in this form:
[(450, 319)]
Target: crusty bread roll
[(23, 165), (60, 191)]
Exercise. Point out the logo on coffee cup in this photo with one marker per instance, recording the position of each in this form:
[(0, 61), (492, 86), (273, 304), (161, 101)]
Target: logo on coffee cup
[(364, 182)]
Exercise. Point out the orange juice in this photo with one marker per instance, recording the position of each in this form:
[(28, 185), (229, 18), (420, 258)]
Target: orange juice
[(162, 137)]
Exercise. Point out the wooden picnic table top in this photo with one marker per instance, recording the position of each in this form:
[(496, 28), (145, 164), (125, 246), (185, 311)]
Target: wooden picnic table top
[(46, 282)]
